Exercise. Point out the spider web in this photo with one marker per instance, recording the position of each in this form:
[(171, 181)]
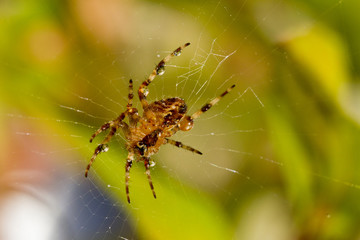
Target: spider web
[(229, 185)]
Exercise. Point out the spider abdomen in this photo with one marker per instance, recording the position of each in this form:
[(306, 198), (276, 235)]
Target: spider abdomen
[(150, 144), (160, 120)]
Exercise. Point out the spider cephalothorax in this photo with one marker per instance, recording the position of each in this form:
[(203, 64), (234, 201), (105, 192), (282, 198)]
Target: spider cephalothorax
[(161, 120)]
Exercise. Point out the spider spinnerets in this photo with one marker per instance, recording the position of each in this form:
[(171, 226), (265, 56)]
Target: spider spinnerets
[(160, 120)]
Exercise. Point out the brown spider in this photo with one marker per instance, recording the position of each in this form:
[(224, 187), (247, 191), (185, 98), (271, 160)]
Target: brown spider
[(161, 119)]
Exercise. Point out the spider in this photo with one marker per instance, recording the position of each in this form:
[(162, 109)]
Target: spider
[(160, 120)]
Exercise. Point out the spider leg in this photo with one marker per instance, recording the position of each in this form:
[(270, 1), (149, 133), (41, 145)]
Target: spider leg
[(132, 112), (128, 165), (131, 94), (180, 145), (101, 129), (147, 167), (159, 70), (102, 147), (118, 120), (207, 106)]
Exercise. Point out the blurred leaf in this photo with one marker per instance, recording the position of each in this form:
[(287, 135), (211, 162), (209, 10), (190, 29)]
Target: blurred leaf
[(321, 53), (296, 168)]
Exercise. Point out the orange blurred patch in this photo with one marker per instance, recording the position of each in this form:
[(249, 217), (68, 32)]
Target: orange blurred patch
[(108, 21), (45, 42)]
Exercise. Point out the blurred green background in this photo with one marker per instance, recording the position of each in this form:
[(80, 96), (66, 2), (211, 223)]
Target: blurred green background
[(289, 131)]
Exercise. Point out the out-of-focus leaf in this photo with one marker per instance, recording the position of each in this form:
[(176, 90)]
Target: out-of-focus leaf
[(290, 151), (321, 53)]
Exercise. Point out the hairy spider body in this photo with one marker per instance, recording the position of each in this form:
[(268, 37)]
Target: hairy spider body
[(160, 120)]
